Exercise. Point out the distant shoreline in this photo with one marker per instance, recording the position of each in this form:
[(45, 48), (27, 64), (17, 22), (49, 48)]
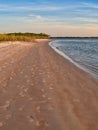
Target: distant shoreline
[(74, 37)]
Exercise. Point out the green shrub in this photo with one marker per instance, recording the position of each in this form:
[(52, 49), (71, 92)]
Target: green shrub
[(22, 36)]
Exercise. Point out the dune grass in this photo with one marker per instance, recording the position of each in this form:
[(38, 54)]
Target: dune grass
[(22, 36)]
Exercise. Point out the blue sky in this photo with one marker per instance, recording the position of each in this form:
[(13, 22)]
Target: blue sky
[(55, 17)]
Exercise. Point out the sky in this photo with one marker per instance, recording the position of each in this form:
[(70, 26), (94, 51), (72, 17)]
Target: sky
[(54, 17)]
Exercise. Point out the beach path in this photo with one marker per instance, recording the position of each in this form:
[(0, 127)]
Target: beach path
[(40, 90)]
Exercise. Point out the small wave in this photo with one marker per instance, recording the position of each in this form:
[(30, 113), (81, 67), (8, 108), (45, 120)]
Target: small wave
[(79, 65)]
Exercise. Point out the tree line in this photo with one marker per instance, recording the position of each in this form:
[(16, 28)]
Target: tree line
[(22, 36)]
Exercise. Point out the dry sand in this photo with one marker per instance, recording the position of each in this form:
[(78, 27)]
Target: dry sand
[(40, 90)]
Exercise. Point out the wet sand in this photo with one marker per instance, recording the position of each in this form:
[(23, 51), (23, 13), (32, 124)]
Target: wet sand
[(40, 90)]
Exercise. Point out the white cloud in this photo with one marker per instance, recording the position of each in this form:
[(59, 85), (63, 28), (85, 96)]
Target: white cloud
[(31, 7), (90, 5), (38, 17)]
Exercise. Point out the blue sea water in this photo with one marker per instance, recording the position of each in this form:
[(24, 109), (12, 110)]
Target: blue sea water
[(83, 52)]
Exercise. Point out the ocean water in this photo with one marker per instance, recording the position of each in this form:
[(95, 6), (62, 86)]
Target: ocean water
[(82, 52)]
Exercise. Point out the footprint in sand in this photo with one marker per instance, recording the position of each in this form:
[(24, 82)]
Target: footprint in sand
[(51, 88), (8, 116), (28, 81), (1, 124), (21, 108), (7, 103), (30, 98), (21, 94), (25, 90), (21, 72), (37, 123), (38, 108), (26, 76), (44, 81), (32, 85), (11, 77), (42, 90), (30, 118), (43, 95)]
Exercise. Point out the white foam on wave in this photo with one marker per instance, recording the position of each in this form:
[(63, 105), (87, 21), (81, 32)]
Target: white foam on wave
[(72, 61)]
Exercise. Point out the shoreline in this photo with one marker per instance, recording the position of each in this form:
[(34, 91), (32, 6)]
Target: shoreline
[(75, 65), (73, 62), (39, 89)]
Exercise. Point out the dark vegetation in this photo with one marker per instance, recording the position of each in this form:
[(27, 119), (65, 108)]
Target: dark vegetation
[(22, 36), (74, 37)]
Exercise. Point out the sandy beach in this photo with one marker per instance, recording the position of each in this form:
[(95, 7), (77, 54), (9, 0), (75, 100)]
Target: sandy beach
[(40, 90)]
